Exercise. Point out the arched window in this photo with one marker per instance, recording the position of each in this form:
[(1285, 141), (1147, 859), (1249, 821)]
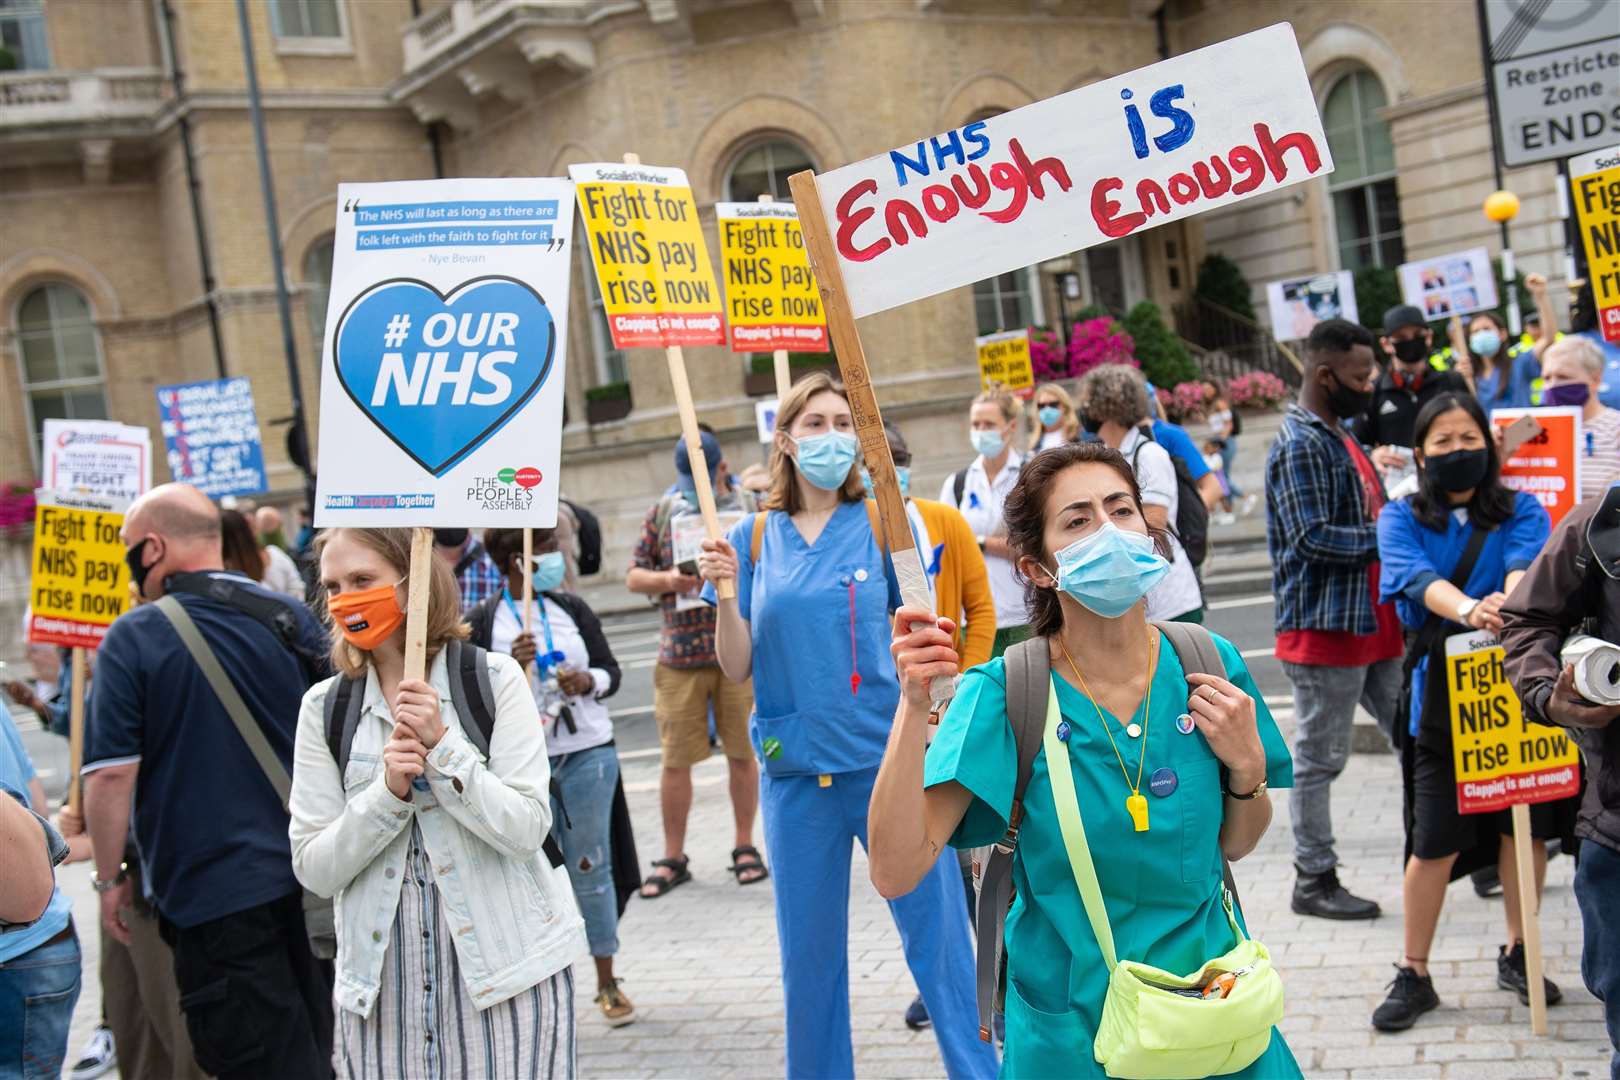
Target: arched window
[(60, 352), (1366, 207), (318, 288), (765, 167)]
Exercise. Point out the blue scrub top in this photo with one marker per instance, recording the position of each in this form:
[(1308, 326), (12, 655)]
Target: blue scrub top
[(16, 770), (1523, 371), (818, 613), (1180, 446), (1413, 557)]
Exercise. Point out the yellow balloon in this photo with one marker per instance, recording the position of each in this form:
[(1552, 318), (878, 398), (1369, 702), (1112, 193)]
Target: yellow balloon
[(1501, 206)]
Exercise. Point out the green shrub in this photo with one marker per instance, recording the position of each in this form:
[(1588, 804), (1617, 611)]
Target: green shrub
[(1220, 281), (1378, 288), (1164, 359), (613, 391), (764, 363)]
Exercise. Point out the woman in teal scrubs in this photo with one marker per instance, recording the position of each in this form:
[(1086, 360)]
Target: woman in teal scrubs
[(810, 621), (1075, 521)]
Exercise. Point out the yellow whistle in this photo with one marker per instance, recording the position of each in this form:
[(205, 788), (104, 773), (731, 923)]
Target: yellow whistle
[(1137, 807)]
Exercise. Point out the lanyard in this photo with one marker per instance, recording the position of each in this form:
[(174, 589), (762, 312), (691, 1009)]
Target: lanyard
[(552, 656)]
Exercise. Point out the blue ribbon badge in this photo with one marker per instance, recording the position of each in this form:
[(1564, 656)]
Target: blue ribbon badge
[(440, 373)]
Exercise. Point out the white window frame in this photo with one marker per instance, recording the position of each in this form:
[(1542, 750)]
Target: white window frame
[(1362, 186), (307, 45), (29, 388), (1030, 293), (765, 142), (35, 10)]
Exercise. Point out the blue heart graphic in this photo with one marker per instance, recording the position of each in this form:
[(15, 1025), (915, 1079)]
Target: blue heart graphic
[(439, 373)]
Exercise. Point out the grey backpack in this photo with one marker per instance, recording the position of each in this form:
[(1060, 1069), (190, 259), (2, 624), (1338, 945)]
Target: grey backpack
[(1029, 673)]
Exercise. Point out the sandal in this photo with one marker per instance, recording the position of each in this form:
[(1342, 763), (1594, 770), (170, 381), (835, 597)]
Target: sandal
[(746, 860), (659, 884)]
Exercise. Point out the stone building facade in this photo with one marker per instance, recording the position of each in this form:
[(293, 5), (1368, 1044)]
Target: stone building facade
[(126, 128)]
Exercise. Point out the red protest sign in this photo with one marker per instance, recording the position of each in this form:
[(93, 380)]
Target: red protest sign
[(1547, 465)]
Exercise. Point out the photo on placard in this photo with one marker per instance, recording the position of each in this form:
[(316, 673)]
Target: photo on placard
[(1437, 305), (1298, 304), (1459, 272), (1465, 300), (1433, 278)]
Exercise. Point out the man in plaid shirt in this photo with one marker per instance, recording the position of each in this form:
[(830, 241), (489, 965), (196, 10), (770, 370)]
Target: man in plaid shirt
[(477, 576), (1338, 645)]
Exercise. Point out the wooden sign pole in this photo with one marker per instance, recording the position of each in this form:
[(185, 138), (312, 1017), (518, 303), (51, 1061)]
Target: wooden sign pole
[(416, 609), (779, 357), (846, 339), (76, 728), (725, 590), (1529, 917), (528, 583)]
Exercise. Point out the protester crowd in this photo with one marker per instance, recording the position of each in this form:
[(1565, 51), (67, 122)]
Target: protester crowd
[(308, 862)]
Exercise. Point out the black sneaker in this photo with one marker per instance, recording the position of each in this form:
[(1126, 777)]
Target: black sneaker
[(1410, 996), (1322, 895), (1487, 882), (917, 1014), (1510, 975)]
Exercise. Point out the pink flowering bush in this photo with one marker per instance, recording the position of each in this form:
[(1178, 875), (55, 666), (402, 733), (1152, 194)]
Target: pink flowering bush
[(16, 508), (1187, 399), (1099, 341), (1046, 356), (1256, 390)]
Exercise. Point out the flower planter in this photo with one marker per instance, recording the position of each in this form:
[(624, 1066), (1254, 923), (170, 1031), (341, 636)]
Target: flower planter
[(606, 410), (763, 383)]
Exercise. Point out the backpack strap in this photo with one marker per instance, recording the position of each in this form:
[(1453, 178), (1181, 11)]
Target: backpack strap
[(756, 542), (959, 486), (1029, 675), (467, 670), (1199, 655), (344, 701)]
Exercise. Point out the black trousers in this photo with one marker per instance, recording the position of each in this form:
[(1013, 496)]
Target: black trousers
[(258, 1004)]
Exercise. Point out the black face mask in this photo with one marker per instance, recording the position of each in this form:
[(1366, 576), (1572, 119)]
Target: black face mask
[(1090, 423), (449, 538), (1412, 351), (1460, 470), (132, 558), (1347, 403)]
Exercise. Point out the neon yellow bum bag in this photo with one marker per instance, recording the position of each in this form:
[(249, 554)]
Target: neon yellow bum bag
[(1157, 1025)]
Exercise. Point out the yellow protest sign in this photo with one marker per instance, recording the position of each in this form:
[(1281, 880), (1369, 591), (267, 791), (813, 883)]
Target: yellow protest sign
[(1595, 181), (652, 266), (79, 583), (771, 297), (1501, 758), (1004, 360)]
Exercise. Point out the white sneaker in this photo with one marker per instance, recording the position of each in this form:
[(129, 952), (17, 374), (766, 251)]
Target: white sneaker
[(1224, 519), (98, 1058), (1247, 506)]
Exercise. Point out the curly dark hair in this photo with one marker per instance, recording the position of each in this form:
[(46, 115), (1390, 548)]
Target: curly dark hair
[(1025, 514)]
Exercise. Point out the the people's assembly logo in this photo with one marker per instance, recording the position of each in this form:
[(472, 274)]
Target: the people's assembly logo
[(509, 489)]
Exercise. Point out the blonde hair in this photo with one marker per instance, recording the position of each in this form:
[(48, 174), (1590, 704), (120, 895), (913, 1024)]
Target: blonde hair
[(1071, 420), (444, 621), (783, 494)]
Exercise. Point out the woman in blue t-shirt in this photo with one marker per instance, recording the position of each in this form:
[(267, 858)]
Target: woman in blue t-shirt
[(1422, 542), (810, 621)]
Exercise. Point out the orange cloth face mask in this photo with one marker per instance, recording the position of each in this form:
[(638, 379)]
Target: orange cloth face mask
[(367, 617)]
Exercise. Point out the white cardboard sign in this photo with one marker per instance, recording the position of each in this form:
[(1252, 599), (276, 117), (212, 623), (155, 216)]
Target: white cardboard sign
[(442, 369), (1192, 133), (97, 457), (1457, 284), (1298, 304), (765, 418)]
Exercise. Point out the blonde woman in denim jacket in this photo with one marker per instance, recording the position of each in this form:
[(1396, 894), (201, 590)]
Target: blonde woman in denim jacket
[(455, 932)]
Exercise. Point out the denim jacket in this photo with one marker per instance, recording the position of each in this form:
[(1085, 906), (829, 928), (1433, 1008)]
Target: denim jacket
[(512, 914)]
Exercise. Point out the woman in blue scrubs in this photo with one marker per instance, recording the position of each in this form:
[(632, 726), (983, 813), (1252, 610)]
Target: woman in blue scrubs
[(810, 622), (1200, 749)]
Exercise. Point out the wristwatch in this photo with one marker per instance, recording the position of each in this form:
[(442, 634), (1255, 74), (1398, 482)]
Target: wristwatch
[(108, 886), (1465, 609), (1255, 794), (980, 540)]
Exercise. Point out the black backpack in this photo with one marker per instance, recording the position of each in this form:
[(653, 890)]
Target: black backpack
[(1192, 516), (590, 538), (470, 691)]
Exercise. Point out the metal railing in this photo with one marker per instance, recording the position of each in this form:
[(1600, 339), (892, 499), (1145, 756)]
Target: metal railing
[(1234, 344)]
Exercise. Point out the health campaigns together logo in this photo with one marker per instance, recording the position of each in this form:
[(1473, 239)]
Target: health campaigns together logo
[(440, 373)]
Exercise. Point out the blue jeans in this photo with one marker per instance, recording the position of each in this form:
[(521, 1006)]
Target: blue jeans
[(37, 993), (587, 780), (1229, 452), (1597, 890)]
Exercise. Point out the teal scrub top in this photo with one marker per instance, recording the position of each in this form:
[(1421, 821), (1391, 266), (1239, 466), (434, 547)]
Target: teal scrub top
[(1161, 887)]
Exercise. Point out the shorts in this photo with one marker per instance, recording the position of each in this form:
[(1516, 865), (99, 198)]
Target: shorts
[(681, 698), (1438, 830)]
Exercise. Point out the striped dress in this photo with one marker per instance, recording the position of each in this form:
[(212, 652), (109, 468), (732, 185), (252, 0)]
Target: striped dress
[(425, 1024)]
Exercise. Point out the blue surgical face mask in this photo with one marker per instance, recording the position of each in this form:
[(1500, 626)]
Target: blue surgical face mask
[(1110, 570), (1050, 415), (901, 472), (825, 459), (1484, 342), (549, 571), (988, 443)]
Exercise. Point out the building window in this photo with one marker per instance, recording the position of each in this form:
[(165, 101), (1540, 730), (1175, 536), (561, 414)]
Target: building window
[(306, 18), (318, 289), (22, 36), (1003, 302), (1366, 206), (611, 364), (60, 352), (763, 169)]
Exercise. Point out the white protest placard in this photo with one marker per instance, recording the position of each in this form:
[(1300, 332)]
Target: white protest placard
[(1298, 304), (97, 457), (1198, 131), (442, 371), (1457, 284), (686, 536), (765, 419)]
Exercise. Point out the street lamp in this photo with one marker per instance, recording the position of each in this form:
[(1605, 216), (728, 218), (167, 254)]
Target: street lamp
[(1502, 207)]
